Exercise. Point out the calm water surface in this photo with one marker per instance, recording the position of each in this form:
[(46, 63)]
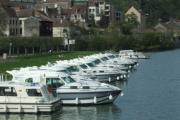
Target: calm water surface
[(151, 93)]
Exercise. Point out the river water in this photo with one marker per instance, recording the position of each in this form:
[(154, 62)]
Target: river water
[(151, 93)]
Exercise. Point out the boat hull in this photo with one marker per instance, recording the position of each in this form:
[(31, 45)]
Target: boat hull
[(85, 98), (30, 107)]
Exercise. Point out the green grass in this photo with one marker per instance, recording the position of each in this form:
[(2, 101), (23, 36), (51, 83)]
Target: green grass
[(41, 59)]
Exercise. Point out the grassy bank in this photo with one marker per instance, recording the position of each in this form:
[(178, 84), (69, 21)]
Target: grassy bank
[(40, 59)]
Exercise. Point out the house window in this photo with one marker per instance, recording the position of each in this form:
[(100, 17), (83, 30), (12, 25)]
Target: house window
[(106, 7), (10, 22), (20, 22), (16, 22), (7, 91), (16, 32), (20, 31)]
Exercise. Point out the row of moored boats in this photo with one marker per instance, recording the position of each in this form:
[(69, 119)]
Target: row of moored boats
[(80, 81)]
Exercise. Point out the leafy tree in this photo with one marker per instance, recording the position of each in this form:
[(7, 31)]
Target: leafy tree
[(3, 20), (126, 28)]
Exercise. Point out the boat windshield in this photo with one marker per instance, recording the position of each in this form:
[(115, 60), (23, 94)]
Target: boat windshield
[(111, 56), (68, 79), (97, 61), (83, 66), (73, 69), (91, 65), (104, 59), (65, 71), (29, 80), (54, 83)]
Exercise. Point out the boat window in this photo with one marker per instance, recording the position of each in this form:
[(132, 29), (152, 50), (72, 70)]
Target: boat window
[(103, 59), (54, 82), (33, 92), (106, 58), (73, 69), (111, 56), (91, 65), (68, 79), (86, 87), (7, 91), (73, 87), (83, 66), (29, 80), (97, 61)]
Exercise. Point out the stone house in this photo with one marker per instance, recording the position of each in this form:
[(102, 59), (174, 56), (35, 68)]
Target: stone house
[(13, 22), (140, 17), (100, 8), (78, 14), (61, 28), (25, 3), (27, 23)]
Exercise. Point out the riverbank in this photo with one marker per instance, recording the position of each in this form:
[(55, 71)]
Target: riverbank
[(40, 59)]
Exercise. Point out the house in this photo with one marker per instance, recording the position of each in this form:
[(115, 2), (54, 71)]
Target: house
[(27, 23), (138, 15), (163, 27), (57, 3), (61, 29), (25, 3), (12, 24), (172, 26), (175, 24), (118, 16), (65, 3), (80, 2), (78, 13), (100, 8), (42, 23)]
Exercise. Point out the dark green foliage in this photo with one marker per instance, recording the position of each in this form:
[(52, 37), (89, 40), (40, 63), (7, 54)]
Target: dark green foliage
[(3, 20), (29, 44), (126, 28), (154, 9)]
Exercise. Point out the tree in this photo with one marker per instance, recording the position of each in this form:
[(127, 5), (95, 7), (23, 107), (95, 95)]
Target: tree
[(3, 20), (126, 28)]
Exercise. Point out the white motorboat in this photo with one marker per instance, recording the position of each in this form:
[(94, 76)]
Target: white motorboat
[(70, 92), (132, 54), (16, 97)]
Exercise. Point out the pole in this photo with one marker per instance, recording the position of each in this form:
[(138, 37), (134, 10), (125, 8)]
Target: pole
[(10, 45)]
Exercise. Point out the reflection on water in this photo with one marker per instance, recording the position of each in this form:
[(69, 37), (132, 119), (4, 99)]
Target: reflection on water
[(70, 113)]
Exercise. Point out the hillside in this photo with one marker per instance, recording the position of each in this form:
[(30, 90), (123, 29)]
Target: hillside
[(155, 9)]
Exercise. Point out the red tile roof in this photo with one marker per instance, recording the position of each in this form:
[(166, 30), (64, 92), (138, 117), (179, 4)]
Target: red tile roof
[(60, 22), (35, 13), (176, 20), (79, 9), (66, 11), (166, 25), (25, 13)]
